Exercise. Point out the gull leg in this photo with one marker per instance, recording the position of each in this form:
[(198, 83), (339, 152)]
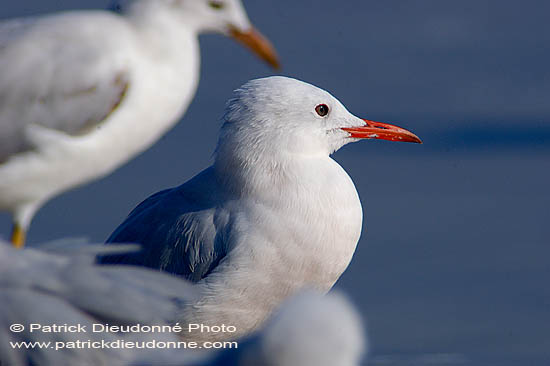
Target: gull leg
[(22, 217), (18, 236)]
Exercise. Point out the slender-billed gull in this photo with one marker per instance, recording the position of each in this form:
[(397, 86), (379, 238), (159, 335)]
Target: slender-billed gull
[(82, 92), (272, 215)]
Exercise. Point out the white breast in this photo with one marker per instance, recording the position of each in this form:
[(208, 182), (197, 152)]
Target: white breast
[(314, 227), (293, 236)]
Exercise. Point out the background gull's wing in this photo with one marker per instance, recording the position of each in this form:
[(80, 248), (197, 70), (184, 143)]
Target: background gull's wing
[(59, 73)]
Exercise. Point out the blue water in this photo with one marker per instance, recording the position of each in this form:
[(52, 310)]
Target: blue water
[(453, 265)]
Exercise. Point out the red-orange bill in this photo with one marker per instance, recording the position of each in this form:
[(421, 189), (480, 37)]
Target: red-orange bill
[(382, 131)]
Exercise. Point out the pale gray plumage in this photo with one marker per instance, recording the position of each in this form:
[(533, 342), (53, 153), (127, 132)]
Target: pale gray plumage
[(9, 29), (308, 330), (51, 288), (73, 92), (188, 218)]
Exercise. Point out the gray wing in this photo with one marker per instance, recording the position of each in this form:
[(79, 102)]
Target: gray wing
[(38, 287), (182, 231), (62, 72)]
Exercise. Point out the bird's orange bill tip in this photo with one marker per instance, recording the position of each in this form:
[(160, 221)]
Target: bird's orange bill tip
[(382, 131), (259, 44)]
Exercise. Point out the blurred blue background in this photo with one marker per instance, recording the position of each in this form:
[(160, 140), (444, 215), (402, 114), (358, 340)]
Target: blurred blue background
[(453, 267)]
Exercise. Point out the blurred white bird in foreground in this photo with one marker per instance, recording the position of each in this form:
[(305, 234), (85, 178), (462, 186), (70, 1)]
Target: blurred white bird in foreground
[(273, 215), (66, 288), (69, 289), (82, 92), (309, 329)]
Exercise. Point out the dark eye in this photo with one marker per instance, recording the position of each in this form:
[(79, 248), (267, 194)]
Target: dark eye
[(218, 5), (322, 110)]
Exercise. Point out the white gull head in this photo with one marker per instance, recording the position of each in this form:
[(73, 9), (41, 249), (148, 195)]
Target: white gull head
[(280, 116), (278, 119), (205, 15), (226, 17)]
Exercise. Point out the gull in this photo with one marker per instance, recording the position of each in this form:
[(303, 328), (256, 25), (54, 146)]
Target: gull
[(83, 92), (274, 213)]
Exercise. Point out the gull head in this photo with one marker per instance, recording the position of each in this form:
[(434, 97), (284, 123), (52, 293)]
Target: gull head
[(227, 17), (284, 117)]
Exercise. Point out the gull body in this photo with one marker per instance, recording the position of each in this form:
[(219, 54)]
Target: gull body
[(274, 214), (83, 92)]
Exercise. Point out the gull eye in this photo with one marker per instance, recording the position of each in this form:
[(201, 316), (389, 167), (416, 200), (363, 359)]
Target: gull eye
[(218, 5), (322, 110)]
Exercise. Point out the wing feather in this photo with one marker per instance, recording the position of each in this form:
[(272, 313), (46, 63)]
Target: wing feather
[(62, 72), (182, 231)]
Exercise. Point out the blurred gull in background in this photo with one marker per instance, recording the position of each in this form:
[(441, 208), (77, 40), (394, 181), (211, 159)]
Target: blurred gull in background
[(273, 215), (82, 92)]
